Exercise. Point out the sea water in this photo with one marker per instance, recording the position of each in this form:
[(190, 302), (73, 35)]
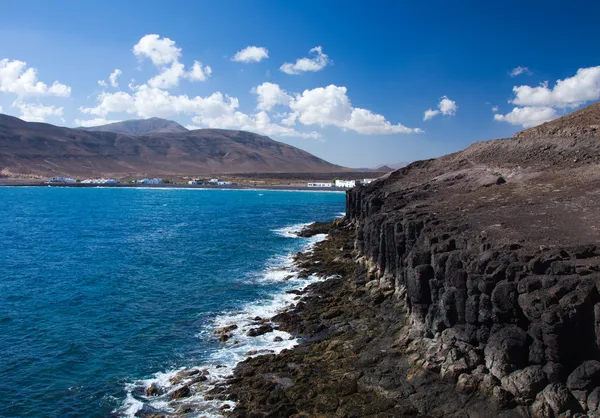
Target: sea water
[(104, 291)]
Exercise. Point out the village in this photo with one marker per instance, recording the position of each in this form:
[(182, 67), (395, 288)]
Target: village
[(157, 181)]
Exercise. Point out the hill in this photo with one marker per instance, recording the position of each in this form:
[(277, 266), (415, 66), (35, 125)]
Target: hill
[(140, 127), (42, 149)]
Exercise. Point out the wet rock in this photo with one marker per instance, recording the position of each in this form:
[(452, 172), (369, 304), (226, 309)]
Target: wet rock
[(182, 392), (277, 339), (225, 330), (224, 337), (263, 329), (153, 390)]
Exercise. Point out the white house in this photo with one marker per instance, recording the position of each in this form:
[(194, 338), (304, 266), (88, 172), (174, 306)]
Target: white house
[(150, 181), (213, 181), (223, 183), (347, 184), (367, 181), (320, 184), (66, 180)]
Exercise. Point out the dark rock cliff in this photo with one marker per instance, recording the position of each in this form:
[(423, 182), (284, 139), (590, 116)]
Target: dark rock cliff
[(518, 320)]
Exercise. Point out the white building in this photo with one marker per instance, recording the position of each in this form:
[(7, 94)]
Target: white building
[(367, 181), (223, 183), (64, 180), (150, 181), (100, 181), (347, 184), (213, 181), (320, 185)]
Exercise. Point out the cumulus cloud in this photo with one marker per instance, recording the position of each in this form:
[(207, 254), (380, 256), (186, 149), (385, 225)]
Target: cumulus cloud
[(331, 106), (165, 54), (102, 84), (35, 112), (430, 114), (302, 65), (270, 95), (495, 109), (251, 54), (17, 78), (94, 122), (446, 107), (161, 51), (536, 105), (528, 116), (574, 91), (519, 70), (214, 111), (113, 78), (199, 73)]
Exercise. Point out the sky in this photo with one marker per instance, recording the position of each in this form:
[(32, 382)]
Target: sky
[(359, 84)]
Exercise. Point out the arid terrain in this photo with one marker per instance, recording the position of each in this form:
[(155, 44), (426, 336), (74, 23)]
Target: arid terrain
[(465, 286)]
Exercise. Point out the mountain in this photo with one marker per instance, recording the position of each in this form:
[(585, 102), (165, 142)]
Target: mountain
[(385, 168), (41, 149), (140, 127)]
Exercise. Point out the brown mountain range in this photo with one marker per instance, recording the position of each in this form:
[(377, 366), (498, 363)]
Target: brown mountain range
[(143, 148)]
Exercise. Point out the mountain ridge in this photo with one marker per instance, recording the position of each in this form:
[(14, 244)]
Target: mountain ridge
[(139, 127), (40, 149)]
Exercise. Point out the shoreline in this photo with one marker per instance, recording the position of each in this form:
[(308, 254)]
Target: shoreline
[(186, 390), (182, 187)]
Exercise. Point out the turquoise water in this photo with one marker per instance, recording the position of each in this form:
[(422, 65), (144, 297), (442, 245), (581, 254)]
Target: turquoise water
[(103, 288)]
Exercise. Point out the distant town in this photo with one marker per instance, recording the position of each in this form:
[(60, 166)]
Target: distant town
[(335, 183)]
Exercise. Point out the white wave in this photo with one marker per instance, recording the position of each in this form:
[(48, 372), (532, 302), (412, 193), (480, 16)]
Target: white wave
[(291, 231), (221, 363)]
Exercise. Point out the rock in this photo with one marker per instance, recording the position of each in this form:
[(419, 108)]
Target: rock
[(506, 351), (554, 400), (583, 380), (224, 337), (277, 339), (225, 330), (153, 390), (593, 401), (263, 329), (502, 398), (526, 383), (182, 392)]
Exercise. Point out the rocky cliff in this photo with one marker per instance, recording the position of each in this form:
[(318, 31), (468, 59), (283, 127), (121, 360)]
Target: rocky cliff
[(495, 254)]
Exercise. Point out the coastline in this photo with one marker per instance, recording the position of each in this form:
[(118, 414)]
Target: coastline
[(244, 334), (182, 187)]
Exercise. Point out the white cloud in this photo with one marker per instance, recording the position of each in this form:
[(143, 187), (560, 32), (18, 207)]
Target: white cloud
[(102, 84), (519, 70), (430, 113), (113, 78), (199, 73), (33, 112), (169, 77), (570, 92), (192, 127), (0, 109), (331, 106), (446, 107), (161, 52), (94, 122), (528, 116), (495, 109), (270, 95), (165, 54), (251, 54), (317, 63), (17, 78)]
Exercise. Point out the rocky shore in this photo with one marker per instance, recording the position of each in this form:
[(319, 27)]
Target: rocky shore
[(461, 286)]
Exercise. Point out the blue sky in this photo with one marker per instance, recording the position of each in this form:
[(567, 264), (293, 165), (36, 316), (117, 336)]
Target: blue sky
[(359, 101)]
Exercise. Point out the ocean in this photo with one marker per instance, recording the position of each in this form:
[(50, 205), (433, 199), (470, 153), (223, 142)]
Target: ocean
[(105, 291)]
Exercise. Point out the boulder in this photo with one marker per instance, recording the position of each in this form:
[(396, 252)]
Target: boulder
[(553, 401), (182, 392), (506, 351), (263, 329), (524, 384)]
